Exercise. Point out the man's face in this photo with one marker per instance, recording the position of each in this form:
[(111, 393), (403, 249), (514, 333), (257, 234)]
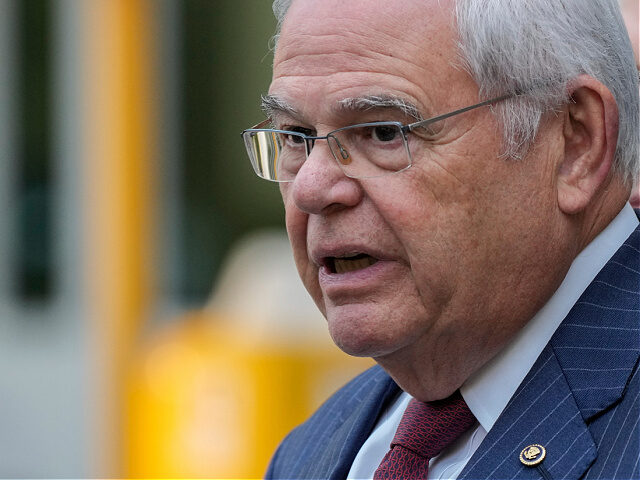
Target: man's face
[(460, 240)]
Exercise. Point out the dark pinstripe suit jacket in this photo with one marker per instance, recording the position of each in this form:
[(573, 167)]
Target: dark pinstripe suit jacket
[(581, 399)]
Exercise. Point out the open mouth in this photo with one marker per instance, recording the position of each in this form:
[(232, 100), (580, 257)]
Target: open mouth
[(350, 264)]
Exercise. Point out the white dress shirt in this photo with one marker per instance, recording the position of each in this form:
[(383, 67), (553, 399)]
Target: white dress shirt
[(488, 391)]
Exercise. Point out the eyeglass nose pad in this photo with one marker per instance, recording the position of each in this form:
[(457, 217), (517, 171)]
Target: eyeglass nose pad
[(344, 153), (346, 158)]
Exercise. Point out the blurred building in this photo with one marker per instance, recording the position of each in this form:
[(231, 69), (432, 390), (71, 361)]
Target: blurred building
[(124, 186)]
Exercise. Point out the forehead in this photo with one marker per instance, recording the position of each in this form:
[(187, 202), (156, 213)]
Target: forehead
[(332, 50)]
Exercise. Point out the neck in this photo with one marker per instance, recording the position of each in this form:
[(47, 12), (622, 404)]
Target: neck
[(602, 210)]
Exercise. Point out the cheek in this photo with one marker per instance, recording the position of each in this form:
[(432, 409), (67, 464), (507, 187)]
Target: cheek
[(431, 214), (433, 220), (297, 222)]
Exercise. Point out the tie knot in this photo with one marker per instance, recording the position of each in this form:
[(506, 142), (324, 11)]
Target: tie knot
[(429, 428)]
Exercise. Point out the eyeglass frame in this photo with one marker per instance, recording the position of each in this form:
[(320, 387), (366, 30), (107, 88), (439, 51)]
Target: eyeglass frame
[(404, 129)]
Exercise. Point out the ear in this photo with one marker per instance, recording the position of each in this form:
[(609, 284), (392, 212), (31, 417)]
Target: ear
[(590, 134)]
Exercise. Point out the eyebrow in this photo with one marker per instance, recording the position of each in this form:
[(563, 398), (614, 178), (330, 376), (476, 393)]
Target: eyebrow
[(374, 102), (273, 105)]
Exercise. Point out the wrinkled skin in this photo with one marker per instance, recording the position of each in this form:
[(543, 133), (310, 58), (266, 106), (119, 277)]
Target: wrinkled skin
[(470, 244)]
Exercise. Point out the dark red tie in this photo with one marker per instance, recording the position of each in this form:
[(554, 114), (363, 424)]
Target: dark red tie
[(424, 431)]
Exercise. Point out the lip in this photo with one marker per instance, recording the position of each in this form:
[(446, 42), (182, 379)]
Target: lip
[(319, 255), (358, 282), (348, 285)]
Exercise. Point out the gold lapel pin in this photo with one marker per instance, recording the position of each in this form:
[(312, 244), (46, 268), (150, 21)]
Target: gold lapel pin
[(533, 455)]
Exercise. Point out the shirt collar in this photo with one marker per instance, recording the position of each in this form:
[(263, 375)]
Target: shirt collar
[(488, 391)]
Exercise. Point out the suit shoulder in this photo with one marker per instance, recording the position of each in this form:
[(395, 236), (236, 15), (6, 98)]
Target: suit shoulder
[(359, 399), (341, 404), (352, 393)]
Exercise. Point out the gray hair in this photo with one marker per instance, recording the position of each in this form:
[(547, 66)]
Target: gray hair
[(538, 47)]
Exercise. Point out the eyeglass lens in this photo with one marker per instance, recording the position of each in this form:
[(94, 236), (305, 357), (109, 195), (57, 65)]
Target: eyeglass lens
[(362, 151)]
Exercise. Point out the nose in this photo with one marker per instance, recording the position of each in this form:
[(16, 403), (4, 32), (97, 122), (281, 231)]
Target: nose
[(320, 185)]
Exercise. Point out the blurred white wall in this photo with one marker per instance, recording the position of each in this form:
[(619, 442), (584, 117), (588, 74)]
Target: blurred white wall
[(44, 375)]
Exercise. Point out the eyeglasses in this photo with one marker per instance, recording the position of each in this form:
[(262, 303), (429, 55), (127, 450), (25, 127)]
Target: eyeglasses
[(365, 150)]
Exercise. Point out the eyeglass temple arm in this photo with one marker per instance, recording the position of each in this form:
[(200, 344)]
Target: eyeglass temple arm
[(412, 126)]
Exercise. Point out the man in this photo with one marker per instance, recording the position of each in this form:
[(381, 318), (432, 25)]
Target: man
[(487, 259)]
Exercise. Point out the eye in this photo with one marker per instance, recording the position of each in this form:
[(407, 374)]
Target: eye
[(296, 139), (293, 139), (384, 133)]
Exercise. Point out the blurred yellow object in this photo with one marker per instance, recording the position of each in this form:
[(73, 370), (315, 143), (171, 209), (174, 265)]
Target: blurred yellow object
[(215, 402), (213, 395), (118, 138)]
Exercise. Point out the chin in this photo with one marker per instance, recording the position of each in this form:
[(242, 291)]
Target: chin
[(360, 347), (361, 334)]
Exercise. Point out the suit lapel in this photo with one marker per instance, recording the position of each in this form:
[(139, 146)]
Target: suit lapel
[(598, 343), (582, 372), (334, 459), (542, 412)]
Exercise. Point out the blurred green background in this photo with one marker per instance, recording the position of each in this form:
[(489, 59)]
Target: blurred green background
[(226, 66)]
